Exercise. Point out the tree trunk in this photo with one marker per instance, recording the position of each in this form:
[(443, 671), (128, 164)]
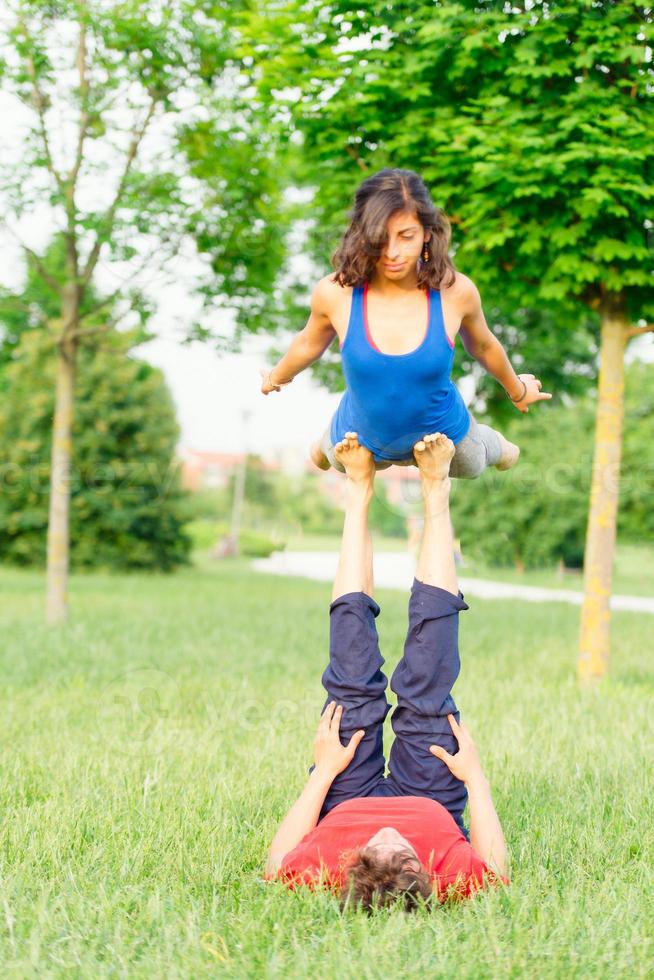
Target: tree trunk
[(602, 518), (58, 518)]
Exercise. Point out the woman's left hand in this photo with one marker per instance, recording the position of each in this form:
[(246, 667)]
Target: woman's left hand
[(329, 755), (532, 392)]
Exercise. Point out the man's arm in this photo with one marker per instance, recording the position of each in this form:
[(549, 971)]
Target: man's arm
[(486, 835), (482, 344), (308, 345), (300, 819), (331, 758)]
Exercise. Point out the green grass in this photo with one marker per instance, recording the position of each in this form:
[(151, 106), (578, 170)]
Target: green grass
[(151, 746), (633, 573), (332, 542)]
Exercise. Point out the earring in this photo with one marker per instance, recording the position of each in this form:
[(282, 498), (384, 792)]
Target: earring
[(425, 254)]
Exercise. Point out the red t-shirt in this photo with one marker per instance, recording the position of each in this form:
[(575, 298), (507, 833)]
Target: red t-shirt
[(324, 853)]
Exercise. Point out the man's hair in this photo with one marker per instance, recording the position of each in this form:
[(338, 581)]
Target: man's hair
[(377, 882), (386, 193)]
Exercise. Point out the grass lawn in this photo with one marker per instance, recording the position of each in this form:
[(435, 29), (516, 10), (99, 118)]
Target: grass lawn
[(332, 542), (153, 743), (633, 573)]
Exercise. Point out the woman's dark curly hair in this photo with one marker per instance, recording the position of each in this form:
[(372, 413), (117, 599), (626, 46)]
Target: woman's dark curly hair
[(386, 193), (374, 882)]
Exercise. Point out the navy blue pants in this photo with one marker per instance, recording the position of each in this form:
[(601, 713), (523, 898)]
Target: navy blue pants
[(422, 681)]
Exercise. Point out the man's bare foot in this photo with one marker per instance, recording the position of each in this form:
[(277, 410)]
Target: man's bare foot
[(433, 454), (357, 460), (318, 457), (510, 454)]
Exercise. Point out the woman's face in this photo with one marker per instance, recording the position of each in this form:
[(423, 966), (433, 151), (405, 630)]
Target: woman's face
[(405, 239)]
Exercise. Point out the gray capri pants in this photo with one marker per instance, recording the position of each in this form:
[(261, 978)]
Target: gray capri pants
[(479, 448)]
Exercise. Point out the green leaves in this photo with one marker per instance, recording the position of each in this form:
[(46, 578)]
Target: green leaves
[(529, 125), (125, 492), (144, 135)]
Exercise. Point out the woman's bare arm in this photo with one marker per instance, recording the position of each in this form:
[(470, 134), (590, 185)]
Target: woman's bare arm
[(309, 344), (482, 344)]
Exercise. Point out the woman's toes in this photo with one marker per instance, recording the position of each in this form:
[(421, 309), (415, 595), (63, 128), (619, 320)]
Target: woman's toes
[(419, 447)]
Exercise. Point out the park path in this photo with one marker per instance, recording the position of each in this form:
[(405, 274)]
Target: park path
[(394, 570)]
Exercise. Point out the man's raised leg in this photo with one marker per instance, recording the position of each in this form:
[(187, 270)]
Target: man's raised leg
[(424, 677), (354, 678), (354, 572)]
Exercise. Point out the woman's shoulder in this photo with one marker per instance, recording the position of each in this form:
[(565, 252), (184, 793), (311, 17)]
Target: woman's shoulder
[(460, 296), (329, 295), (461, 285), (330, 286)]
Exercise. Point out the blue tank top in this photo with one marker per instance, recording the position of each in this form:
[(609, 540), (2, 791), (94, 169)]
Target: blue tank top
[(393, 400)]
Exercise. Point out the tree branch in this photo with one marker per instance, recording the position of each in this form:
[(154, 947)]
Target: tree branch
[(89, 331), (638, 331), (37, 262), (109, 215), (30, 310), (85, 116), (112, 297), (349, 149), (39, 103)]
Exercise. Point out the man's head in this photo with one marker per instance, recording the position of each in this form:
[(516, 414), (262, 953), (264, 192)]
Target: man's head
[(387, 869)]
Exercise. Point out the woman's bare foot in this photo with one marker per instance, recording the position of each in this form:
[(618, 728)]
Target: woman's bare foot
[(433, 454), (510, 454), (357, 460), (318, 457)]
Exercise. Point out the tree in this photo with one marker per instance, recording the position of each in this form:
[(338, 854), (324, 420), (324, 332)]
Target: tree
[(532, 124), (125, 510), (536, 515), (107, 158)]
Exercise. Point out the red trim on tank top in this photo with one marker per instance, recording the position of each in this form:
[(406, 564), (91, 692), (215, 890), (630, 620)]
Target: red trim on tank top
[(447, 336), (365, 319), (369, 335)]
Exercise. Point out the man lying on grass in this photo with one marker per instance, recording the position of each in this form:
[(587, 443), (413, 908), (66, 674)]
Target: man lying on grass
[(380, 838)]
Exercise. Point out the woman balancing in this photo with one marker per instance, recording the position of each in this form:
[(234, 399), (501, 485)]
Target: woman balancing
[(396, 303)]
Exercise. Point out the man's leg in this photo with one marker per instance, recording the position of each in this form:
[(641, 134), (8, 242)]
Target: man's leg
[(424, 677), (354, 677)]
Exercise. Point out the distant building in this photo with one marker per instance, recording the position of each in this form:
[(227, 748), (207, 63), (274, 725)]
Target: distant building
[(203, 470)]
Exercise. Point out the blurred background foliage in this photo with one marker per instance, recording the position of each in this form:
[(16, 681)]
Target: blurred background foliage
[(125, 485), (535, 515)]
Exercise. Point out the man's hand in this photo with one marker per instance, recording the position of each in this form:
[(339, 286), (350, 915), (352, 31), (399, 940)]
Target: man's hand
[(330, 756), (465, 765), (268, 385), (532, 392)]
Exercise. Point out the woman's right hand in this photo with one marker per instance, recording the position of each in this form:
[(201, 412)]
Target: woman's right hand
[(267, 384), (465, 765)]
